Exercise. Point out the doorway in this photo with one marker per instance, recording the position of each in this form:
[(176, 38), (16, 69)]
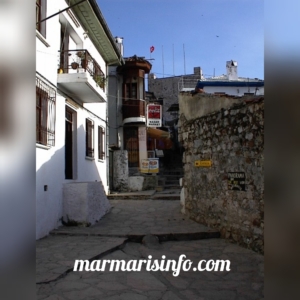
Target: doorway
[(69, 143), (131, 142)]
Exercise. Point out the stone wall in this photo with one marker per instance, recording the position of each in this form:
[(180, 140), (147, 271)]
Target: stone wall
[(230, 133), (120, 171)]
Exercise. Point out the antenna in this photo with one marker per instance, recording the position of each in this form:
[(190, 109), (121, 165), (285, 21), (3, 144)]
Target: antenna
[(173, 62), (184, 59), (162, 47)]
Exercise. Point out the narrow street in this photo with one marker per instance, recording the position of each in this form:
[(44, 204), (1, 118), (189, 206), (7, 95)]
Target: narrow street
[(133, 230)]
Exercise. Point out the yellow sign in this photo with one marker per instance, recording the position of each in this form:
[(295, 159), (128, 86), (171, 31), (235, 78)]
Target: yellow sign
[(149, 165), (203, 163)]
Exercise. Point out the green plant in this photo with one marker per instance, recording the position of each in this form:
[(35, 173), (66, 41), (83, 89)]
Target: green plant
[(100, 80), (80, 54)]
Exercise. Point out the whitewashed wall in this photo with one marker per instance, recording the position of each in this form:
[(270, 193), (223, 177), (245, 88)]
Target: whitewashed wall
[(50, 172), (236, 91), (50, 162)]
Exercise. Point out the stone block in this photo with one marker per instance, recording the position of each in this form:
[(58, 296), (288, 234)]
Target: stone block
[(182, 197), (135, 183), (181, 181), (150, 182), (84, 203), (120, 170)]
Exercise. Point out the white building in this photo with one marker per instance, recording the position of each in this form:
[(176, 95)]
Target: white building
[(74, 49), (230, 83)]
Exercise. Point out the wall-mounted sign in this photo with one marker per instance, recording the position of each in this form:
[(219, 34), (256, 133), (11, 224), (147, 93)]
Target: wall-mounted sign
[(159, 153), (154, 115), (150, 165), (236, 181), (203, 163)]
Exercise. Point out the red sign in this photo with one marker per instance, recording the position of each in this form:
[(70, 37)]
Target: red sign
[(152, 49), (154, 113)]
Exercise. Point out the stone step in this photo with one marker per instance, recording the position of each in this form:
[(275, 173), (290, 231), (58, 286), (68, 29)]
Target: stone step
[(173, 172), (172, 177), (166, 197), (171, 186), (172, 181), (127, 197), (156, 197)]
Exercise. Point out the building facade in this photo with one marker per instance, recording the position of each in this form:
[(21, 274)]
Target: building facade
[(230, 84), (74, 49), (132, 141)]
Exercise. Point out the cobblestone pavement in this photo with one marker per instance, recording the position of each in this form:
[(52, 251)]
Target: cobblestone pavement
[(56, 255), (140, 217)]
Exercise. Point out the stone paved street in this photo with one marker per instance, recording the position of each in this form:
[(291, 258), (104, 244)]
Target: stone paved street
[(138, 217), (112, 238)]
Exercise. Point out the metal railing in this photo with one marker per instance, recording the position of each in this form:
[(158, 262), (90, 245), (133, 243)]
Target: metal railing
[(79, 61)]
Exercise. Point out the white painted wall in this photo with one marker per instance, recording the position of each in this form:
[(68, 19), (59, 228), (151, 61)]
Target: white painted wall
[(236, 91), (231, 68), (50, 162), (50, 172)]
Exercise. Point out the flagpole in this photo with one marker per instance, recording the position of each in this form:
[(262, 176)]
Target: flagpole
[(162, 47), (173, 62), (184, 59)]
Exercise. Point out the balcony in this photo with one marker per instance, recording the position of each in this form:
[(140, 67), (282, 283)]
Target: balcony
[(80, 75), (134, 111)]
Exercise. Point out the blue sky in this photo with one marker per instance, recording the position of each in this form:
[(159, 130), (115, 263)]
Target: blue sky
[(212, 32)]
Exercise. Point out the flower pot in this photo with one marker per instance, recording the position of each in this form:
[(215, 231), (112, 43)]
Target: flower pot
[(74, 65), (84, 63)]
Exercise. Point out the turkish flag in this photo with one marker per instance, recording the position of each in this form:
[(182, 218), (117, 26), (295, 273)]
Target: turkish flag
[(151, 49)]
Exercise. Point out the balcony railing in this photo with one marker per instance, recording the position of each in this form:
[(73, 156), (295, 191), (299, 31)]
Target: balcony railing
[(79, 61), (134, 108)]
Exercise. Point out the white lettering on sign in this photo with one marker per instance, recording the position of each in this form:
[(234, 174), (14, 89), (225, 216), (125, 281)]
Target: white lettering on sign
[(154, 110)]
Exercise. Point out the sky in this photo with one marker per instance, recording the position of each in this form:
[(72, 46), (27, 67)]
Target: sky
[(191, 33)]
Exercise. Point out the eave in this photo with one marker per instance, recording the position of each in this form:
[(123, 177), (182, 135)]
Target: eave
[(92, 20)]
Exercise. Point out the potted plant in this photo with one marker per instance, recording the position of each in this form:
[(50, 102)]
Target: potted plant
[(74, 65), (100, 80), (85, 58)]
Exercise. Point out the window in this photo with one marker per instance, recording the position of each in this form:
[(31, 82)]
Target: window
[(41, 10), (89, 142), (131, 90), (45, 113), (101, 143)]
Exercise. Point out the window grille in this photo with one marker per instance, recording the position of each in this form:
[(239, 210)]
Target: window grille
[(101, 143), (45, 113), (89, 142)]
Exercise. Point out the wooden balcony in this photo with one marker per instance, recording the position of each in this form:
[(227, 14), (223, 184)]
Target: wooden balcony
[(134, 111)]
